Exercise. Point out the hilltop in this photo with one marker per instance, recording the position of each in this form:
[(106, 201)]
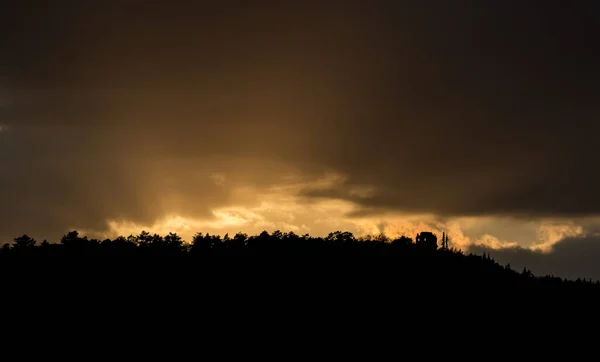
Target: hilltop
[(338, 259)]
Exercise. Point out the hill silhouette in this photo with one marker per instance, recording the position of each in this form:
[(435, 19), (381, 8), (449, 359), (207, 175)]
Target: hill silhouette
[(340, 256)]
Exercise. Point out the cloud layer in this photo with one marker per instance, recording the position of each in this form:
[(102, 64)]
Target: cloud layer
[(571, 258)]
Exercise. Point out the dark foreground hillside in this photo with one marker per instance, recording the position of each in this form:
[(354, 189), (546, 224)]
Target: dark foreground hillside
[(278, 260), (273, 286)]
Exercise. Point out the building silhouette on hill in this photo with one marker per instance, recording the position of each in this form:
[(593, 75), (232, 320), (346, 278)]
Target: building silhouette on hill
[(426, 239)]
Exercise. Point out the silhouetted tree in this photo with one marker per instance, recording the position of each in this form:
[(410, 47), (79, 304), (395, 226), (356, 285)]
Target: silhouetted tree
[(526, 273), (402, 241), (238, 242), (340, 238), (71, 239), (201, 243), (23, 242), (173, 242)]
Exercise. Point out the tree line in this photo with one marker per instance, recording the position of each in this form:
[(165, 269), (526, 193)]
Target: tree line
[(402, 255)]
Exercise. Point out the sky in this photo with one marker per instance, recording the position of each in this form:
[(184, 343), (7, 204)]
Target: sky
[(475, 118)]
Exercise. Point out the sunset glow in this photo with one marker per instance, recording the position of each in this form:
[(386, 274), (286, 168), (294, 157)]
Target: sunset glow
[(373, 117)]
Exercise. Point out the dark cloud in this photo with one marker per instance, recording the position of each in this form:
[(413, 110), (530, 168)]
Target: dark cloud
[(486, 110), (455, 108), (571, 258)]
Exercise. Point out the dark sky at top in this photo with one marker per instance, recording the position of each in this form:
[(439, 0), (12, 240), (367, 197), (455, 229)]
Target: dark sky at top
[(119, 109)]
